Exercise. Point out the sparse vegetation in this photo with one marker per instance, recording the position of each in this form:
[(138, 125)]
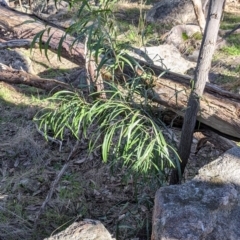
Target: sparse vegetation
[(232, 50), (230, 20), (185, 36)]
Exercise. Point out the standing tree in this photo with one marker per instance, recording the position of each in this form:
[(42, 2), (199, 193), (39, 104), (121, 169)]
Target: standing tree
[(201, 76), (199, 11)]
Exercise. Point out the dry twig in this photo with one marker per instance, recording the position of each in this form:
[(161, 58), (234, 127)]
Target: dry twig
[(50, 138), (56, 181)]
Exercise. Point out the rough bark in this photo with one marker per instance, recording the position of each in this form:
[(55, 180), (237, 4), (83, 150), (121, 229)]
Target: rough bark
[(202, 133), (198, 8), (13, 76), (219, 109), (201, 76), (16, 43), (27, 26)]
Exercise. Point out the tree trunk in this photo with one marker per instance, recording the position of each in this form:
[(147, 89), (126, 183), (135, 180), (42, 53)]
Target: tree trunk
[(27, 26), (201, 76), (198, 8), (204, 7)]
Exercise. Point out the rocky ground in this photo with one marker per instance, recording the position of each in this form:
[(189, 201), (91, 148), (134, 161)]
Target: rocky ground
[(88, 189)]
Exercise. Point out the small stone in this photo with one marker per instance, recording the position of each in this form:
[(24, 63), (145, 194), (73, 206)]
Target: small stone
[(86, 230)]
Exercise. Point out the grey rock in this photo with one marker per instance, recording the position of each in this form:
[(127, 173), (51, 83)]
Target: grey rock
[(4, 2), (172, 12), (179, 11), (207, 207), (193, 56), (50, 7), (175, 36), (84, 230), (16, 60), (166, 56)]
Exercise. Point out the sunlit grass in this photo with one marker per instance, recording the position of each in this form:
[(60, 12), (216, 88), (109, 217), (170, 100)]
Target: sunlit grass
[(123, 133), (230, 21), (232, 50)]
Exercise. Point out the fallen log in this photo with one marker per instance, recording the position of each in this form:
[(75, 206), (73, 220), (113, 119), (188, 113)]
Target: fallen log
[(201, 132), (219, 109), (13, 76), (16, 43), (26, 26)]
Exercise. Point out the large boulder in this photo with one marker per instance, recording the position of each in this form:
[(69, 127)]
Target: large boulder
[(178, 11), (4, 2), (172, 12), (50, 7), (207, 207), (166, 56)]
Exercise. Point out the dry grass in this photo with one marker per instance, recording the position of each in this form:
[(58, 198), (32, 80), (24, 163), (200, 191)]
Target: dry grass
[(88, 188)]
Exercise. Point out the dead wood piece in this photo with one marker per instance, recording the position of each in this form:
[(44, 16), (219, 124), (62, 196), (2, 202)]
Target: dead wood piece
[(77, 148), (219, 109), (216, 111), (54, 184), (13, 76), (16, 43), (227, 33), (27, 26), (185, 80), (218, 141)]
